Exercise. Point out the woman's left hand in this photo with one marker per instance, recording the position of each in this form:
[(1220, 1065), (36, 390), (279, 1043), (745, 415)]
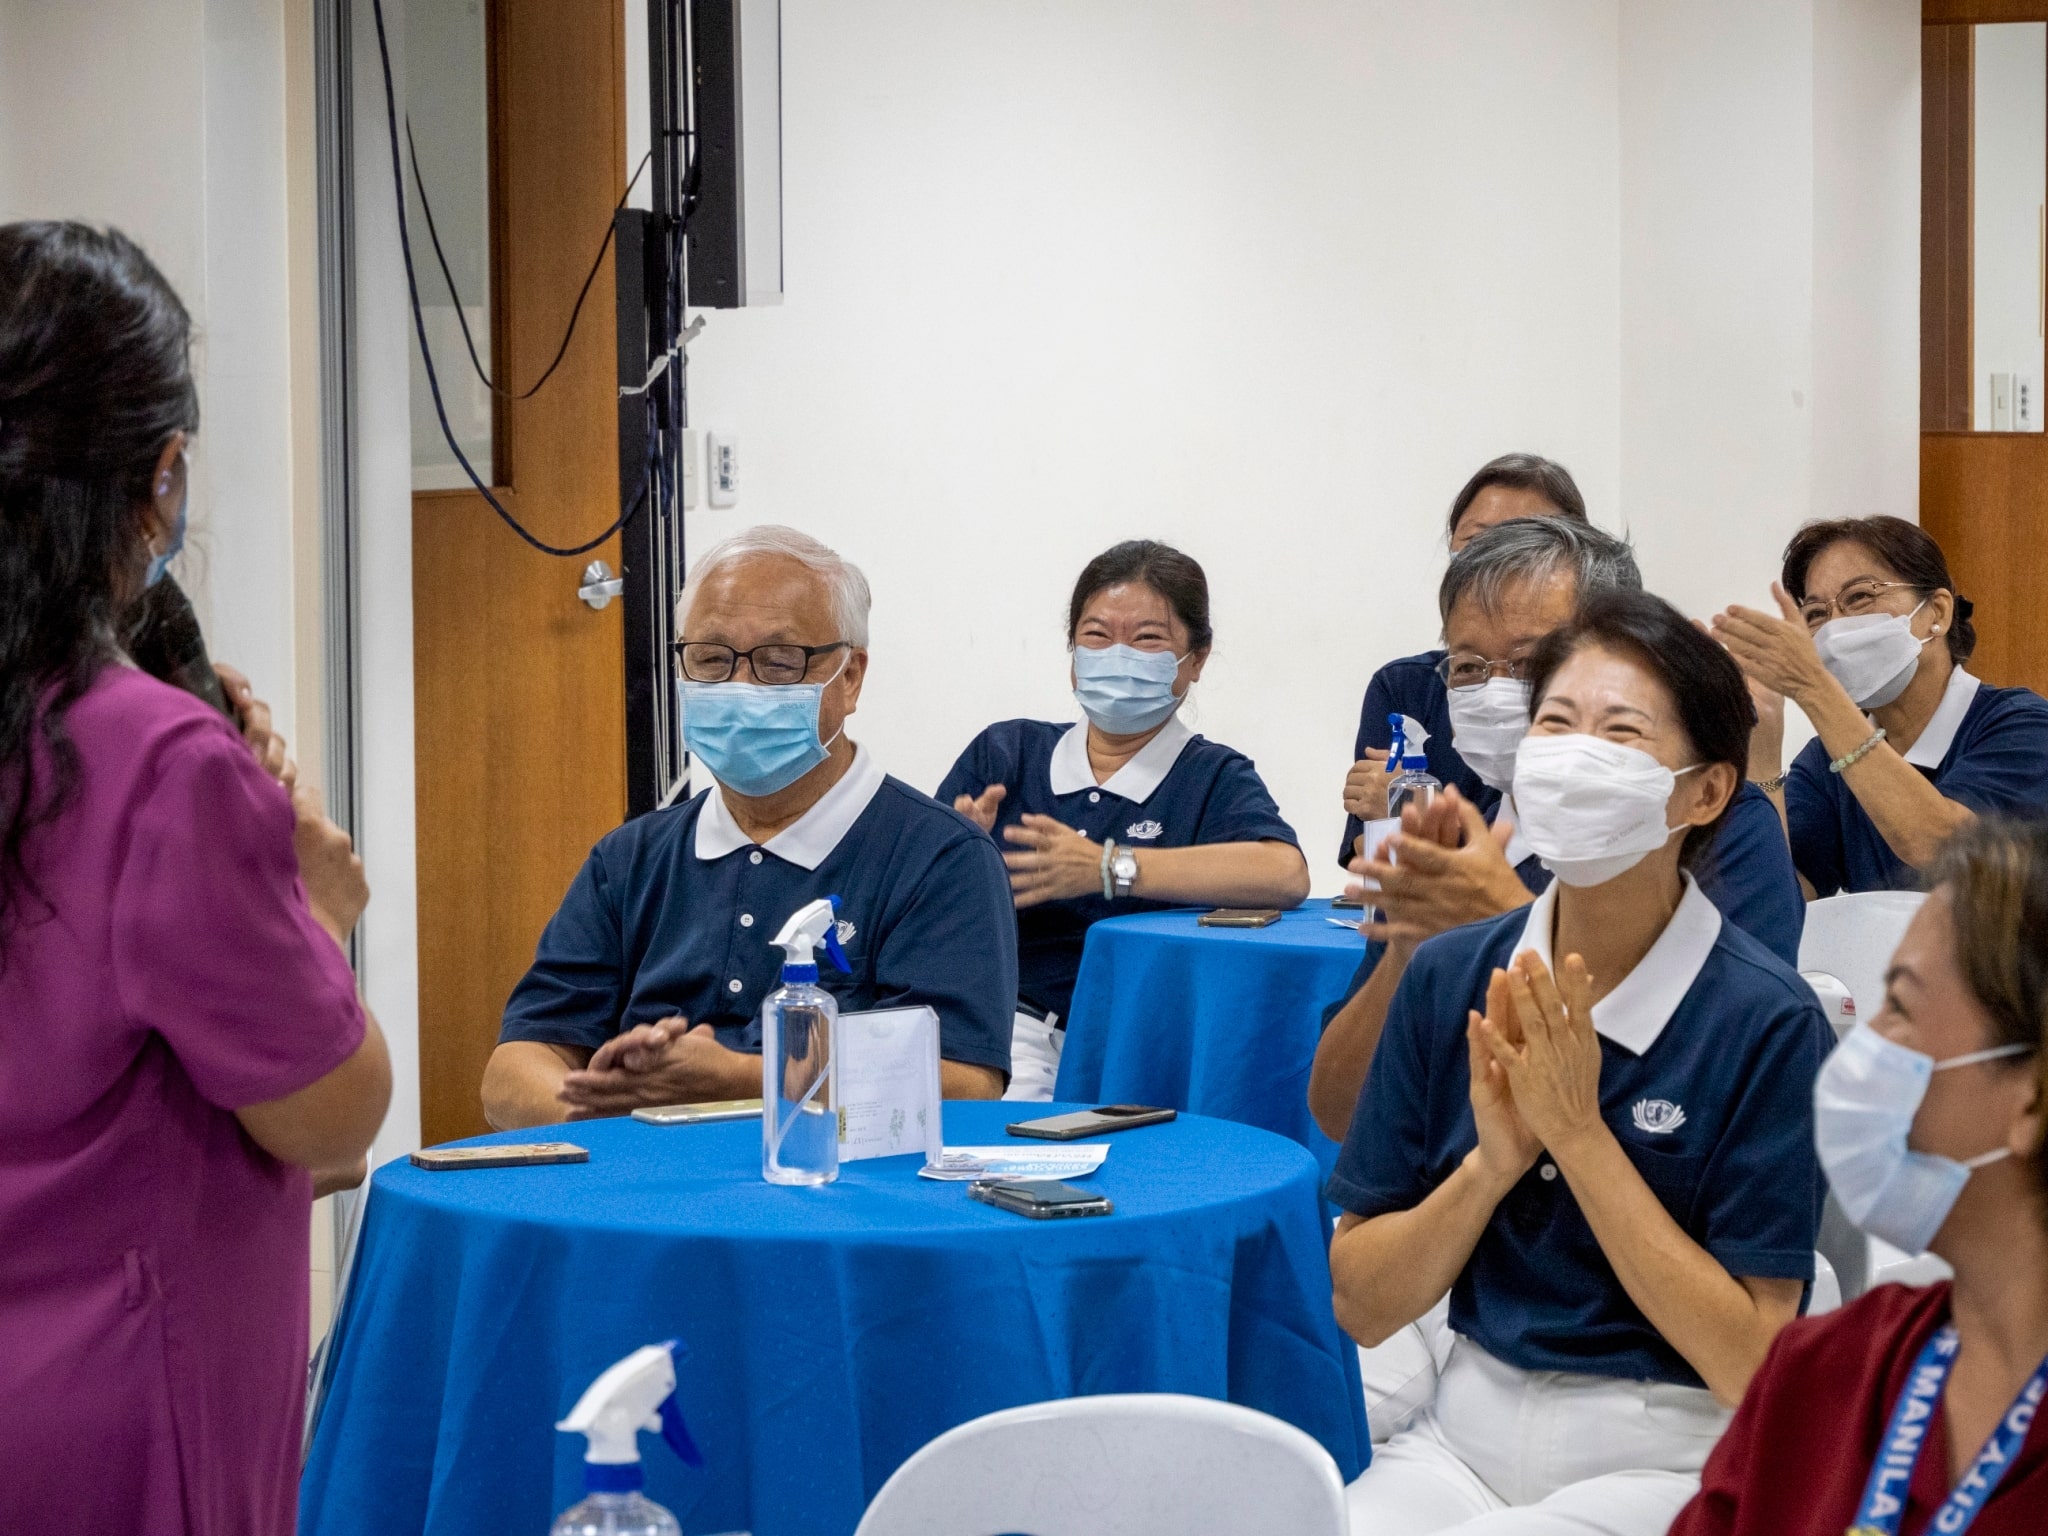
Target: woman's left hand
[(1051, 862), (1775, 650), (1555, 1072)]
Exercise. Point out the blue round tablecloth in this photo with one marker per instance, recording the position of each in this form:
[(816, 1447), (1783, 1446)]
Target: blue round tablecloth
[(1219, 1021), (831, 1332)]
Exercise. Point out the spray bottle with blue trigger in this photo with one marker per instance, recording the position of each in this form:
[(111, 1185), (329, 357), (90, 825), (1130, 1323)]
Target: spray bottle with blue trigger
[(637, 1393), (800, 1054), (1412, 783)]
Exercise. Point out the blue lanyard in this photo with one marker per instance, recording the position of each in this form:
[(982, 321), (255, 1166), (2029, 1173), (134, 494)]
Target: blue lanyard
[(1884, 1496)]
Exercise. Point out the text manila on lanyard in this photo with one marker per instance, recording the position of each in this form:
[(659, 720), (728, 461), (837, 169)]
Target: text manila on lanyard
[(1884, 1496)]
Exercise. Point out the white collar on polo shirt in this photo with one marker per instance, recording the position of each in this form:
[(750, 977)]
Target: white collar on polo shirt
[(1516, 850), (1934, 742), (1634, 1014), (812, 836), (1135, 781)]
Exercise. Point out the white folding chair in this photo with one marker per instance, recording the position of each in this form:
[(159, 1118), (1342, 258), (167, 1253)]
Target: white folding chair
[(1827, 1289), (1916, 1269), (1846, 947), (1142, 1464), (1852, 938)]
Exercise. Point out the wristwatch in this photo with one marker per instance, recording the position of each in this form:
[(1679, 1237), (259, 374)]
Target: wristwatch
[(1123, 869)]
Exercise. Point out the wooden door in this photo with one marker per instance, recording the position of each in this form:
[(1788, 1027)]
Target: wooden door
[(1983, 495), (520, 689)]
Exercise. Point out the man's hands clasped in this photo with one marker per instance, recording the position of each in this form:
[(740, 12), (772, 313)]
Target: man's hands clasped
[(662, 1063)]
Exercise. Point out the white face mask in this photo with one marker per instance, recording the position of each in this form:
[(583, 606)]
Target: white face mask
[(1590, 808), (1487, 727), (1873, 655), (1864, 1102)]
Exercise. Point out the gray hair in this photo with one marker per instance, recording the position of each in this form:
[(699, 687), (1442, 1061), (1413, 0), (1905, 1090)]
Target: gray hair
[(843, 579), (1535, 549)]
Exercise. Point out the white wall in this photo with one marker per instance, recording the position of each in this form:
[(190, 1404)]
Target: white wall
[(1770, 281), (166, 118), (1269, 283), (1265, 282)]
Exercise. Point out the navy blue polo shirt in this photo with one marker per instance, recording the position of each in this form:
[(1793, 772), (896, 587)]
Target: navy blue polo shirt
[(1984, 747), (1708, 1054), (1746, 871), (653, 928), (1180, 790), (1413, 687)]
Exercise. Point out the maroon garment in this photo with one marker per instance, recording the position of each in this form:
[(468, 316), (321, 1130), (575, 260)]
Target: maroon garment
[(1796, 1457), (153, 1261)]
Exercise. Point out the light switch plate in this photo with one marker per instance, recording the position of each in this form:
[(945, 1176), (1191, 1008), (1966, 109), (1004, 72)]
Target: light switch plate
[(2001, 403), (722, 466), (692, 474)]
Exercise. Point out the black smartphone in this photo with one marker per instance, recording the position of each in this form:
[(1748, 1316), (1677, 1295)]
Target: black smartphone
[(1240, 917), (1091, 1122), (500, 1155), (1041, 1199)]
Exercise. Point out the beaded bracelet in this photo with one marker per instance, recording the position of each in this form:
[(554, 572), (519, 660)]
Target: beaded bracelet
[(1853, 758), (1108, 879)]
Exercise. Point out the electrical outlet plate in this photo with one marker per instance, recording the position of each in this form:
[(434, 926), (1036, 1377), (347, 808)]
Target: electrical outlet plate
[(722, 468)]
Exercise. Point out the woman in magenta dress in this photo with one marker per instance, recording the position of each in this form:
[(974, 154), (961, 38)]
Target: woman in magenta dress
[(181, 1043)]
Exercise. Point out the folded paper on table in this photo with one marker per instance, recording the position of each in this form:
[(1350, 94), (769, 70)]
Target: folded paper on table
[(889, 1084), (1073, 1161)]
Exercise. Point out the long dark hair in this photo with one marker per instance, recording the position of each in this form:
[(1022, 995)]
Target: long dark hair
[(1714, 706), (1174, 576), (95, 380)]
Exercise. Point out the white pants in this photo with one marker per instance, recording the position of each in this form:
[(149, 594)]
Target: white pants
[(1035, 1048), (1400, 1375), (1507, 1452)]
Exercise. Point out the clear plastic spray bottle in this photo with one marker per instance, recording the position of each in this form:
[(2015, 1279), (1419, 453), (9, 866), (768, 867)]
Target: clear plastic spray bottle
[(638, 1393), (800, 1055), (1413, 783)]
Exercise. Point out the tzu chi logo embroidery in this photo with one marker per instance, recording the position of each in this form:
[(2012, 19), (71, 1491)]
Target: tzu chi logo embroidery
[(845, 932), (1659, 1117), (1144, 831)]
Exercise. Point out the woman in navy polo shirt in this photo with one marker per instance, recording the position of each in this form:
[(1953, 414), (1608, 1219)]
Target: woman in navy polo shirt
[(1870, 641), (1127, 811), (1608, 1162), (1511, 486), (1930, 1122)]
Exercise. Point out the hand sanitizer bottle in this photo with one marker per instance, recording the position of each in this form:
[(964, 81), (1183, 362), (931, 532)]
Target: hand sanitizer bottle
[(638, 1393), (800, 1055), (1413, 784)]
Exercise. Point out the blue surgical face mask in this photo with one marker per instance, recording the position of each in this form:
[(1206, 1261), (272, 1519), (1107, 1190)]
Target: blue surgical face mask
[(1864, 1102), (158, 564), (1123, 690), (755, 739)]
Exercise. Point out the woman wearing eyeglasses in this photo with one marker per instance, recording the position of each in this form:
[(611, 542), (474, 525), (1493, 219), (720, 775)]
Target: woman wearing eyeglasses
[(1128, 810), (1515, 485), (1919, 1409), (1870, 642)]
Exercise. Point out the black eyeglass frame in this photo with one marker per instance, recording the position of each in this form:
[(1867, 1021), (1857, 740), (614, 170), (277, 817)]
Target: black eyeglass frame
[(810, 652)]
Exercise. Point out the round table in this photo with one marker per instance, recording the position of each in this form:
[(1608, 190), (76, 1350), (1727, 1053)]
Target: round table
[(1220, 1021), (831, 1332)]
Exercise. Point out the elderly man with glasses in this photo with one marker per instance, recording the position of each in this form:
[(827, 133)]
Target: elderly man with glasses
[(647, 984), (1447, 865)]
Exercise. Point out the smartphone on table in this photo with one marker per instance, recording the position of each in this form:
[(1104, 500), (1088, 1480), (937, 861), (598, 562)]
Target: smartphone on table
[(500, 1155), (700, 1114), (1040, 1199), (1091, 1122), (1239, 917)]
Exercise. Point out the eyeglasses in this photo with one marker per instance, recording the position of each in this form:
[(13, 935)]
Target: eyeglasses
[(777, 665), (1465, 669), (1857, 597)]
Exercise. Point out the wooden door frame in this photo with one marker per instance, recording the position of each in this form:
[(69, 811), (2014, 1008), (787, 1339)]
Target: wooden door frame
[(519, 688)]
